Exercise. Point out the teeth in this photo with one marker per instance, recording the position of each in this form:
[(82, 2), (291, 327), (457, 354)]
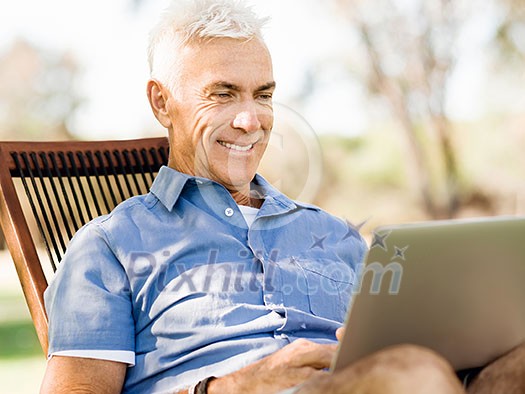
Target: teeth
[(236, 147)]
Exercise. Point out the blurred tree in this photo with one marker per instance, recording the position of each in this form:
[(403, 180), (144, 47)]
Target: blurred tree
[(38, 93), (411, 51), (411, 54), (510, 36)]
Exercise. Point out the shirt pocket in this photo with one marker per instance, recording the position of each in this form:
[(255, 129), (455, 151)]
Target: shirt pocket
[(329, 287)]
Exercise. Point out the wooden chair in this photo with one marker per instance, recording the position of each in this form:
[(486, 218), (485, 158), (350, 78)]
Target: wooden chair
[(55, 188)]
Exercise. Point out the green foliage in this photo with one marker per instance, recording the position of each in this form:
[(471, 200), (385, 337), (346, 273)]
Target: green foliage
[(18, 339), (38, 92), (373, 160)]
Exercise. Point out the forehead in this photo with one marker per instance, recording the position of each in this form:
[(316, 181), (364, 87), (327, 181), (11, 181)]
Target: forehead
[(243, 62)]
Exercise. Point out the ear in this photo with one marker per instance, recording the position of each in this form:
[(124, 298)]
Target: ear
[(158, 97)]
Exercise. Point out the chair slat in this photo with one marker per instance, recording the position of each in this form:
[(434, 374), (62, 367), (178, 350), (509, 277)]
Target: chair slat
[(63, 185), (140, 168), (60, 205), (121, 168), (78, 176), (73, 190), (100, 160), (65, 194), (55, 240), (115, 173), (32, 204), (100, 187)]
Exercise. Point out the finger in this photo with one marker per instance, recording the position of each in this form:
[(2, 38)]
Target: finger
[(318, 381), (301, 375), (339, 333), (312, 373), (306, 353), (321, 360)]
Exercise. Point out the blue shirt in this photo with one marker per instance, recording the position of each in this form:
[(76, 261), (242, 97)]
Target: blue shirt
[(178, 278)]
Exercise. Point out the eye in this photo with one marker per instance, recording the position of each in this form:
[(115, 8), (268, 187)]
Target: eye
[(222, 95), (265, 96)]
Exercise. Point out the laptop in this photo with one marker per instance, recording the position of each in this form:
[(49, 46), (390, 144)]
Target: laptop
[(454, 286)]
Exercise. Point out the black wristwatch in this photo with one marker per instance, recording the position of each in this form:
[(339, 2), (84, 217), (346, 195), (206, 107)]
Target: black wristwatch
[(202, 386)]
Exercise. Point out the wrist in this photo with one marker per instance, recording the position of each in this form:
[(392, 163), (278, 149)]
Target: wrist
[(203, 386), (224, 384)]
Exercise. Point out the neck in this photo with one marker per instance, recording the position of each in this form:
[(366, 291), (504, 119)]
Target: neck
[(244, 198)]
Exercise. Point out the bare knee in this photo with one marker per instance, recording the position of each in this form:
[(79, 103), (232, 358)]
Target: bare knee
[(411, 357), (505, 375), (404, 368)]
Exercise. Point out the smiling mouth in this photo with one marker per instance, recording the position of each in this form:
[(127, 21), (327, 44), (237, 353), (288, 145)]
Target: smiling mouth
[(234, 147)]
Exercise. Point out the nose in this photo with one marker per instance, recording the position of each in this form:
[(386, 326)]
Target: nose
[(247, 120)]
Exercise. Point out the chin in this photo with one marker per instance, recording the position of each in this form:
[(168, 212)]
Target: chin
[(235, 174), (238, 181)]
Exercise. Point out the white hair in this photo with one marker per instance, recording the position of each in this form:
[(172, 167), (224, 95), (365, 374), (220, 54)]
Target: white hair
[(187, 21)]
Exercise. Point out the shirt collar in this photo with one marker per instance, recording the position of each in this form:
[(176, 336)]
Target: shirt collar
[(275, 202), (167, 186), (169, 183)]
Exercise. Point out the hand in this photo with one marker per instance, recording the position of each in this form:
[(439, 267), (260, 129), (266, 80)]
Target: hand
[(289, 366), (339, 333)]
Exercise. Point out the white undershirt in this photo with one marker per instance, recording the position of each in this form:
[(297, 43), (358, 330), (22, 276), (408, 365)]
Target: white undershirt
[(249, 214), (125, 356)]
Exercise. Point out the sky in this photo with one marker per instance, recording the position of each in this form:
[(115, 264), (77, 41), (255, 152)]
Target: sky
[(109, 39)]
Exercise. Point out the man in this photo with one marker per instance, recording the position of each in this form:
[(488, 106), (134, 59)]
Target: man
[(214, 281)]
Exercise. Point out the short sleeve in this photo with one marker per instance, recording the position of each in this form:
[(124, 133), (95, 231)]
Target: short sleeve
[(88, 302)]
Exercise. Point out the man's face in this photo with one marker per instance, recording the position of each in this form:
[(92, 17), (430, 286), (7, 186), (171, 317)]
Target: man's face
[(220, 110)]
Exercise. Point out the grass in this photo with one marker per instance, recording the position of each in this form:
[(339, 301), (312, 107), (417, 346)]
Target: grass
[(22, 363), (18, 340)]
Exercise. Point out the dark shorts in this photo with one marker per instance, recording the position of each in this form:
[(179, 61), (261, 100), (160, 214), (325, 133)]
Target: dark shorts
[(467, 376)]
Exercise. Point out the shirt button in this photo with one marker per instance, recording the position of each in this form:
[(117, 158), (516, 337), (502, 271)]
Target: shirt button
[(228, 212)]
